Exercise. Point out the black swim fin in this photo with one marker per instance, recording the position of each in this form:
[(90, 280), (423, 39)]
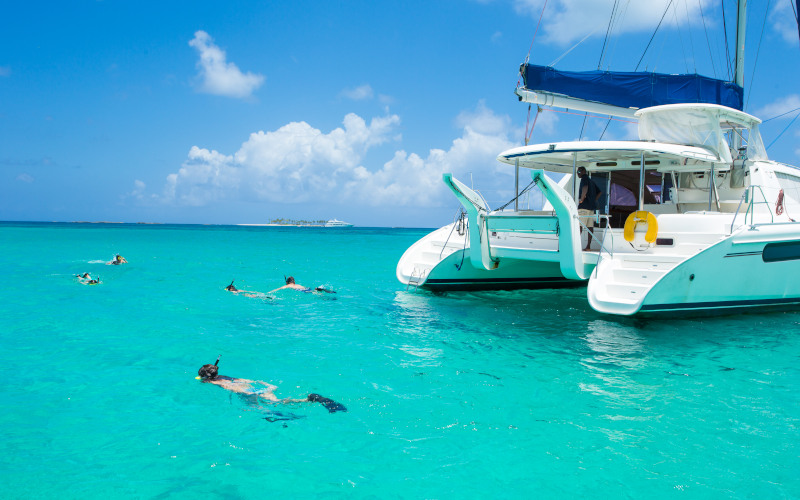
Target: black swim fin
[(323, 289), (331, 405)]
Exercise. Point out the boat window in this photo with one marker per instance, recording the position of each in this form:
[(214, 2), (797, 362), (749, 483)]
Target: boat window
[(777, 252), (621, 196), (790, 185)]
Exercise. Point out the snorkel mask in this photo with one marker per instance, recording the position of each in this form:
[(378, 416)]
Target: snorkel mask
[(205, 370)]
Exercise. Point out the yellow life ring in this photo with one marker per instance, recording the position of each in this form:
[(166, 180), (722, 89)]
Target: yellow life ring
[(641, 217)]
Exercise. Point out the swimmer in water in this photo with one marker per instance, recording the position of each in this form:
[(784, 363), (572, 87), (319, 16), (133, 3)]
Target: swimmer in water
[(86, 279), (290, 283), (246, 293), (257, 388), (119, 259)]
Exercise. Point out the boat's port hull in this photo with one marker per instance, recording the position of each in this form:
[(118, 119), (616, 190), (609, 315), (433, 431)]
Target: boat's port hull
[(440, 262)]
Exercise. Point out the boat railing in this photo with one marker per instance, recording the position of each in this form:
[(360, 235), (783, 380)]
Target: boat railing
[(461, 226), (749, 194), (598, 217)]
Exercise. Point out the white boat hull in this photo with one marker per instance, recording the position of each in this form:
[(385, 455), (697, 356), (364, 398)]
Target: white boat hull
[(440, 262), (732, 275)]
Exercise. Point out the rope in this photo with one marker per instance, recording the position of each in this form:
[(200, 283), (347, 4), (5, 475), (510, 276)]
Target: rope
[(463, 250), (779, 206), (520, 194), (782, 114), (784, 130), (654, 34), (708, 41), (758, 51), (725, 31), (608, 30), (528, 136), (528, 56)]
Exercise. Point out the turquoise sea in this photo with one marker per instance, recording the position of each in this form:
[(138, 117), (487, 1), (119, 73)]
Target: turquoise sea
[(524, 394)]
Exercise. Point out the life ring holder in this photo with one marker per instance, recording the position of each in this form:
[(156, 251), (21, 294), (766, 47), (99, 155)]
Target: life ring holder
[(641, 217)]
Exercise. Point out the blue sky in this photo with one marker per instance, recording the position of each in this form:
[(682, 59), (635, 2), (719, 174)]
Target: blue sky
[(239, 112)]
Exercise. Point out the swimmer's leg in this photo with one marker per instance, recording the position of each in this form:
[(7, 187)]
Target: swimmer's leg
[(331, 405)]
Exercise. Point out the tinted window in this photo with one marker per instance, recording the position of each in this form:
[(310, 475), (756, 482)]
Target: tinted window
[(776, 252)]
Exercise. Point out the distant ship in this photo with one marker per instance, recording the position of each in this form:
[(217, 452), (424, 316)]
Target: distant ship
[(337, 223)]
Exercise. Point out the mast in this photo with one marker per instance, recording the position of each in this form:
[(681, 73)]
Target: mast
[(741, 15), (738, 71)]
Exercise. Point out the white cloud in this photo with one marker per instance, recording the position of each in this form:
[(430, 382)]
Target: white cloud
[(219, 77), (5, 70), (25, 178), (784, 22), (298, 163), (779, 107), (359, 93), (566, 21)]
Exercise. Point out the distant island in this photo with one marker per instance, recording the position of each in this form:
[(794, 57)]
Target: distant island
[(303, 223), (296, 222)]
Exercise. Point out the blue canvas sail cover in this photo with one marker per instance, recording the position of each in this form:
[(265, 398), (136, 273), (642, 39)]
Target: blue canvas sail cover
[(632, 89)]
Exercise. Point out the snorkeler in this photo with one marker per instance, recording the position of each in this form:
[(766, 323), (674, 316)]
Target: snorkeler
[(290, 283), (86, 279), (119, 259), (210, 374), (246, 293)]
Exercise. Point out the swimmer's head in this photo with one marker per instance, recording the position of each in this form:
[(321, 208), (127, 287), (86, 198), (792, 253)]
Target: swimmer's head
[(231, 288), (86, 275), (290, 280), (119, 257), (208, 372)]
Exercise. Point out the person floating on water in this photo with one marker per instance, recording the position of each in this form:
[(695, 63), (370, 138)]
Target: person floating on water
[(290, 283), (119, 259), (210, 374), (86, 279), (246, 293)]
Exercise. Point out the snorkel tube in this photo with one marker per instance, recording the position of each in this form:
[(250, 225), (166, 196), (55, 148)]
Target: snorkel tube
[(203, 372)]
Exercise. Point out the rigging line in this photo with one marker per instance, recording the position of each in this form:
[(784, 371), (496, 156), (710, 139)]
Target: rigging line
[(617, 21), (691, 39), (527, 188), (680, 37), (758, 51), (528, 56), (708, 41), (606, 128), (795, 15), (784, 130), (725, 31), (654, 35), (583, 127), (608, 30), (528, 138), (782, 114), (572, 48)]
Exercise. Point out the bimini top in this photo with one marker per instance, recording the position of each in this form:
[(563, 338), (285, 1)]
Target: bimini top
[(706, 125), (613, 155), (673, 137)]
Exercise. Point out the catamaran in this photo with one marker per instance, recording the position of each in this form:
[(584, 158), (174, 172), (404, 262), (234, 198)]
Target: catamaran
[(697, 218)]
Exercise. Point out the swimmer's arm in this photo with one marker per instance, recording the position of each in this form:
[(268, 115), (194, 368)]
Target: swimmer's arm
[(281, 288)]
